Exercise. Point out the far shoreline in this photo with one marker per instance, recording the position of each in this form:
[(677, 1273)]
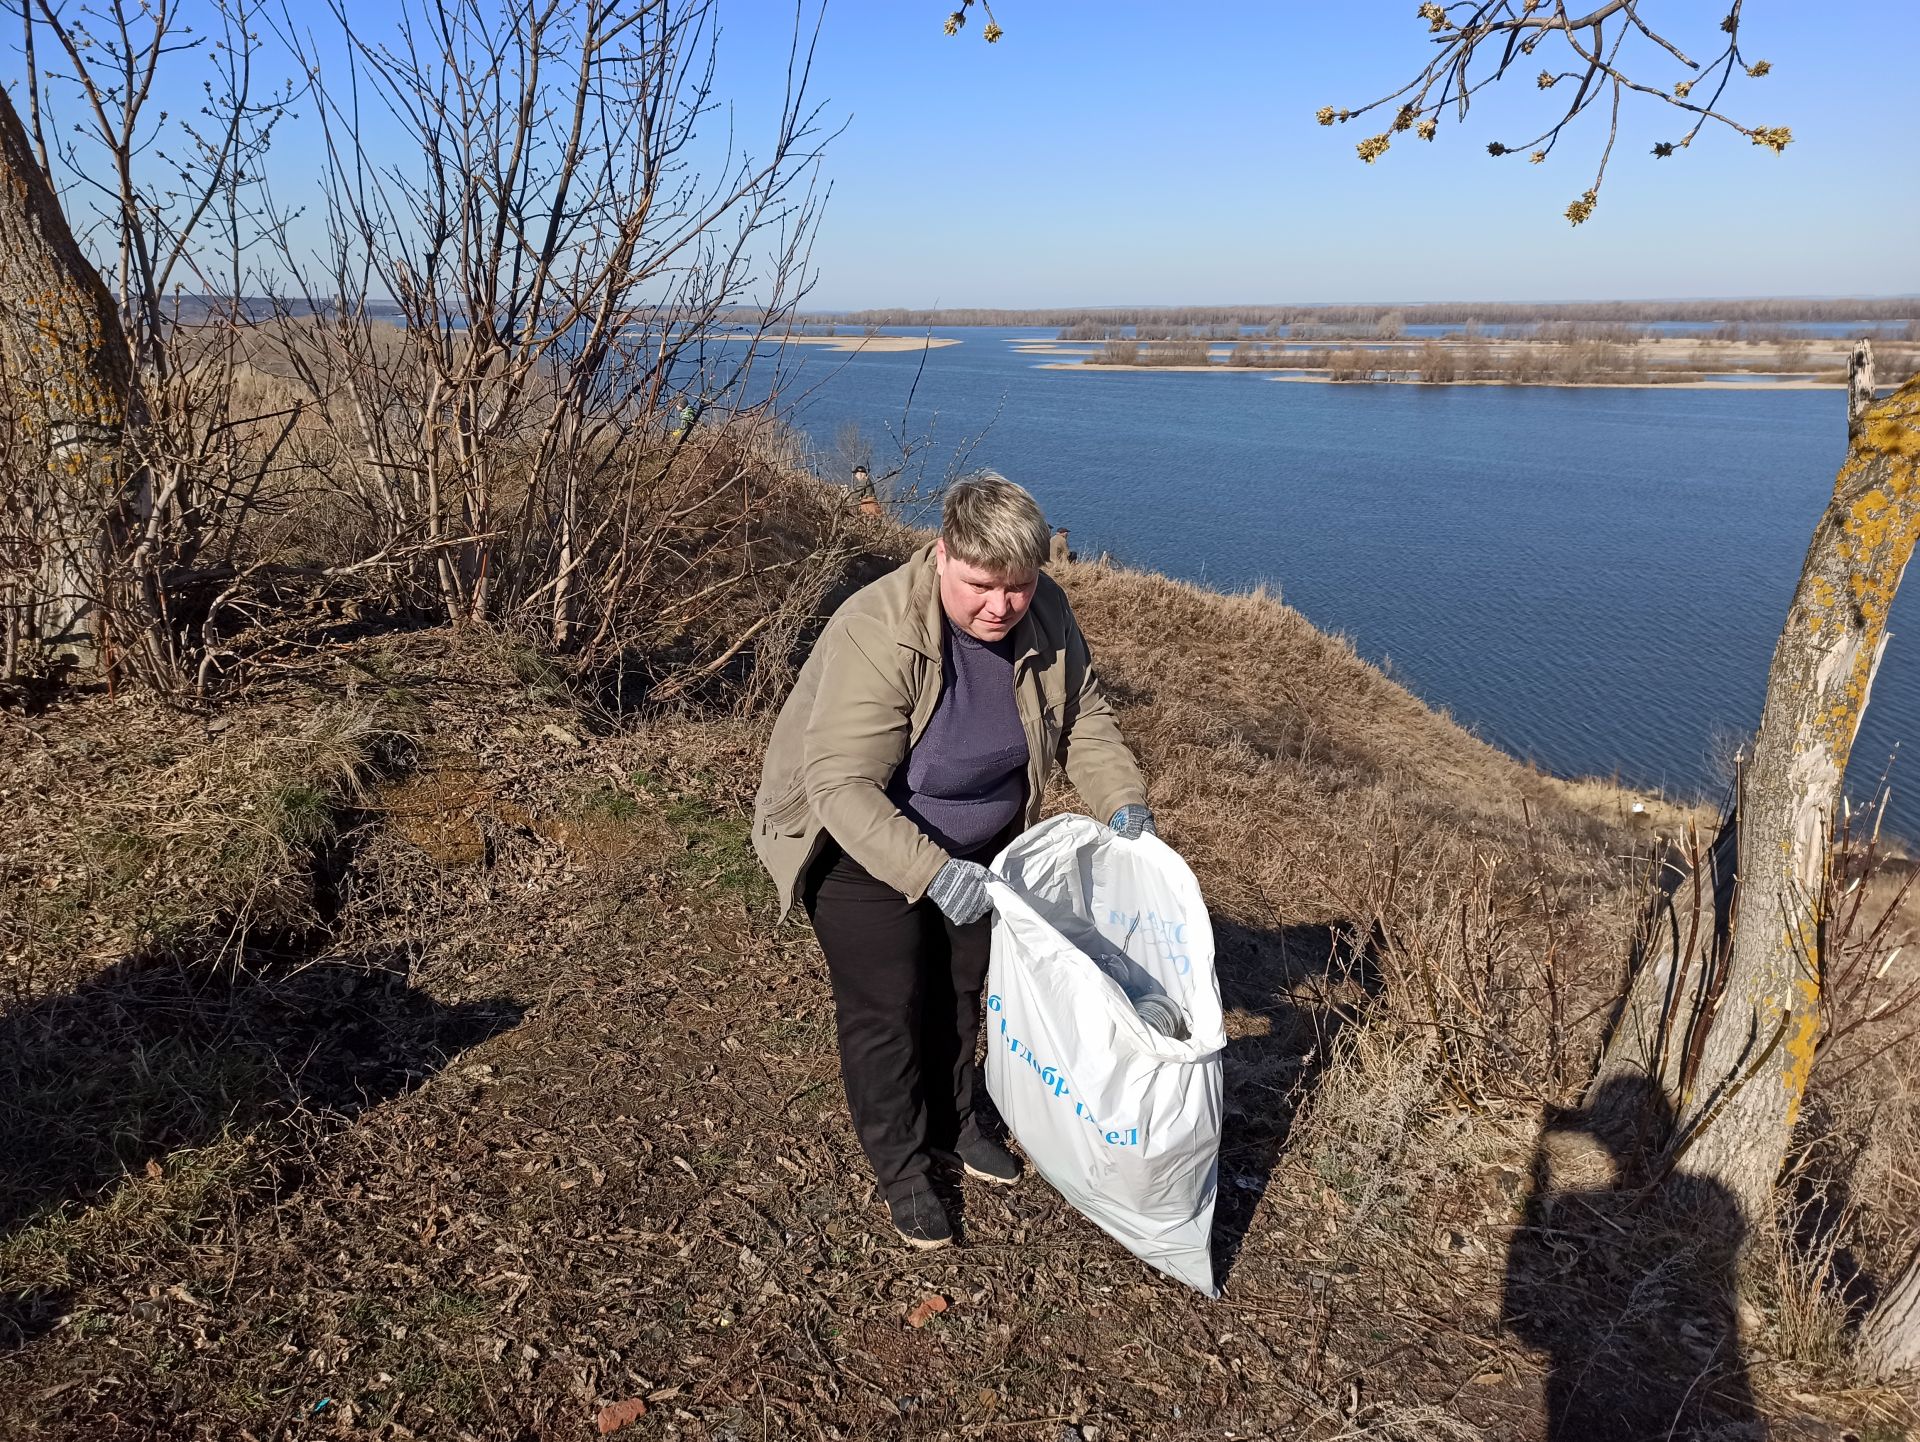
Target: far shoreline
[(1323, 380)]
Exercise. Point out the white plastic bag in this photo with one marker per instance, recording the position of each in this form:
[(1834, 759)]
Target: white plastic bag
[(1122, 1120)]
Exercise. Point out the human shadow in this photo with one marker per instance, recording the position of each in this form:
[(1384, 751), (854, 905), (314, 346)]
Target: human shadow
[(1307, 981), (101, 1085), (1623, 1274)]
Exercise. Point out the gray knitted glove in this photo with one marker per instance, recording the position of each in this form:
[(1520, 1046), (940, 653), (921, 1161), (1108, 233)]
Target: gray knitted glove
[(1131, 821), (960, 890)]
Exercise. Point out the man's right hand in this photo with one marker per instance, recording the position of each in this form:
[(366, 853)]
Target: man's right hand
[(959, 889)]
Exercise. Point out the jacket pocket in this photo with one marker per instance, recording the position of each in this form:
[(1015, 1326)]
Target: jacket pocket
[(788, 815)]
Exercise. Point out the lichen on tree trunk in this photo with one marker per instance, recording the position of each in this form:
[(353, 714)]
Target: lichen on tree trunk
[(1759, 1024), (65, 362)]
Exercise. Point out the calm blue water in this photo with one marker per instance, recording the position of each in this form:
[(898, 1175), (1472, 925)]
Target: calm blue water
[(1590, 578)]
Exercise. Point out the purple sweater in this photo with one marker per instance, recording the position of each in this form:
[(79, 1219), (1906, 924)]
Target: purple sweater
[(964, 781)]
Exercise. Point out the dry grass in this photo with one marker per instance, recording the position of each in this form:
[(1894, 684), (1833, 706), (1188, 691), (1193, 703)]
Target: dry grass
[(182, 842)]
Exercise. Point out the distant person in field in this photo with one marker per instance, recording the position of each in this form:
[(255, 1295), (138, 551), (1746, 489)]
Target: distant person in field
[(917, 743), (1057, 553)]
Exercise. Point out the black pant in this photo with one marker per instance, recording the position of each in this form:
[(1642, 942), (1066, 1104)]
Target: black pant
[(906, 998)]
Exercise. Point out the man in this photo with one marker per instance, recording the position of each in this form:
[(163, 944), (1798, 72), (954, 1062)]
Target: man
[(917, 742)]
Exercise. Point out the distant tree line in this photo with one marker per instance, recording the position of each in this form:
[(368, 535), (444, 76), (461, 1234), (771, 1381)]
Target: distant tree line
[(1095, 323), (1563, 354)]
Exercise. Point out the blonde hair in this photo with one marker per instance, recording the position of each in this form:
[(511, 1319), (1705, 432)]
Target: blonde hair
[(989, 522)]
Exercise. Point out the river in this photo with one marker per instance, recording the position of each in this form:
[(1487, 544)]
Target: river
[(1589, 578)]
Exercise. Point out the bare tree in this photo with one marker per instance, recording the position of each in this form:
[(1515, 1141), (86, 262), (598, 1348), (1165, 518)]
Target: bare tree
[(1736, 981), (566, 264), (1891, 1332), (570, 244)]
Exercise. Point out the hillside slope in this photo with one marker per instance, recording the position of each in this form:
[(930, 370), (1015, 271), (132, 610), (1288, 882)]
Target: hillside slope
[(518, 1104)]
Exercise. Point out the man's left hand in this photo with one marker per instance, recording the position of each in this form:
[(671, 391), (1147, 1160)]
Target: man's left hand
[(1132, 822)]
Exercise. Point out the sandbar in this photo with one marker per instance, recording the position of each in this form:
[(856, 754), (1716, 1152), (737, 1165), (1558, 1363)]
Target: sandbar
[(1084, 366), (851, 343)]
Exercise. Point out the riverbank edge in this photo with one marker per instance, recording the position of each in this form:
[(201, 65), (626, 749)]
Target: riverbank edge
[(1757, 385)]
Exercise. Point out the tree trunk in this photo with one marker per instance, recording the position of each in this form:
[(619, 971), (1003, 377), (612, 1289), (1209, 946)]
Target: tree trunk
[(1679, 962), (64, 357), (1748, 1007), (1891, 1334), (1759, 1046), (1860, 389)]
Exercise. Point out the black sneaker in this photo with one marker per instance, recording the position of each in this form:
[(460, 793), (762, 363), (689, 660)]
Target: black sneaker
[(920, 1219), (986, 1159)]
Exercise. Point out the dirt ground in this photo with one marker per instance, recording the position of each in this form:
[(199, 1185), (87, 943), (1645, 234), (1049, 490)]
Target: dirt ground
[(522, 1120)]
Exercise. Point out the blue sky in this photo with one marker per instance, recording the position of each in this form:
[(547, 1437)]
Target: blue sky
[(1130, 152)]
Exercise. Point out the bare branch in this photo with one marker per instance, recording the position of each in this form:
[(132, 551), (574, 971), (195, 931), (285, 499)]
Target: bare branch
[(1477, 42)]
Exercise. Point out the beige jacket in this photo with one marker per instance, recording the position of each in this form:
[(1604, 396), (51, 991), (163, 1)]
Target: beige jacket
[(866, 694)]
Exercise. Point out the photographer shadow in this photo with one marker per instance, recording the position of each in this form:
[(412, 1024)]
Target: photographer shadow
[(1307, 982), (122, 1081), (1625, 1278)]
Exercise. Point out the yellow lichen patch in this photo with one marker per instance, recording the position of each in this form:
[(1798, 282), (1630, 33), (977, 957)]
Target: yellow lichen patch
[(1868, 519), (1877, 509), (1800, 1046), (1892, 427)]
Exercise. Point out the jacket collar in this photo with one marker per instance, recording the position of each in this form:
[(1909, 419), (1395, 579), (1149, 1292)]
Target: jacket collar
[(931, 617), (924, 606)]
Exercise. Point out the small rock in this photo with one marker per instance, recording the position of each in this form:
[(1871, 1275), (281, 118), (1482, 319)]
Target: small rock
[(926, 1309)]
